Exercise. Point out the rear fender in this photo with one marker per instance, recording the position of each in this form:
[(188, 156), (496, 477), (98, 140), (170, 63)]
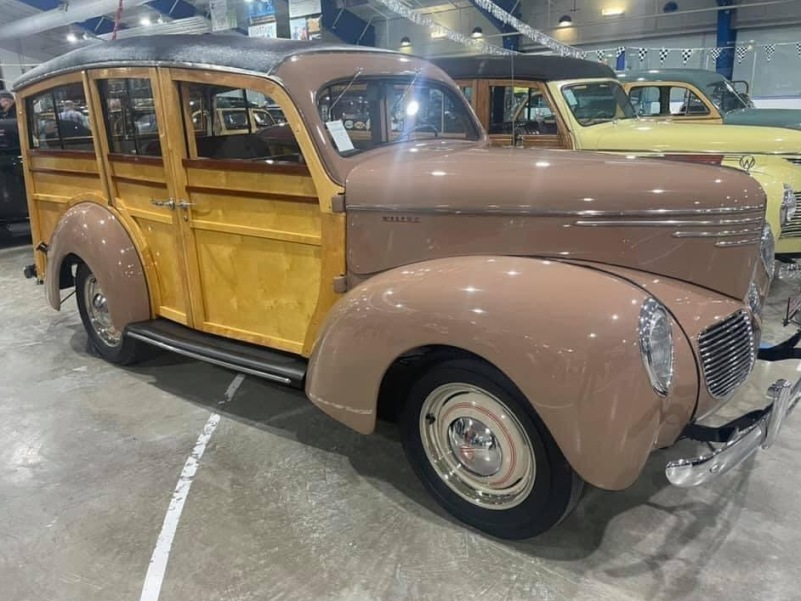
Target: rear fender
[(564, 334), (93, 233)]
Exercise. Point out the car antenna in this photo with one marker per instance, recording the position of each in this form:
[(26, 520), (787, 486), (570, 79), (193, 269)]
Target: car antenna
[(347, 87)]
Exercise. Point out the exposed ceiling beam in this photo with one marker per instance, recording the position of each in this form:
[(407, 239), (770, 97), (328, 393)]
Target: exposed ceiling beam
[(93, 24)]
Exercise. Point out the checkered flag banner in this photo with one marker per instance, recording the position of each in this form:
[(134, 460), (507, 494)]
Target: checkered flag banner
[(769, 50), (715, 53), (600, 54), (798, 49), (620, 50), (642, 54), (582, 54), (741, 52), (663, 54), (685, 55)]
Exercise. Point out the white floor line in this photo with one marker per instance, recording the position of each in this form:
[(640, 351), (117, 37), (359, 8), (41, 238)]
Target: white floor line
[(161, 554)]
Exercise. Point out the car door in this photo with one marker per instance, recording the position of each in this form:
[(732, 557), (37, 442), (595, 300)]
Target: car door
[(262, 251), (522, 114), (137, 168)]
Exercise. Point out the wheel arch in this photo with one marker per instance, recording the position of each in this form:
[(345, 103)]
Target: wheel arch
[(91, 233), (580, 369)]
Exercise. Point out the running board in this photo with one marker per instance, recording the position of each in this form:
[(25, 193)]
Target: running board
[(269, 364)]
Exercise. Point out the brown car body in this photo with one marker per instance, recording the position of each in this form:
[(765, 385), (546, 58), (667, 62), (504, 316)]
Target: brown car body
[(536, 262)]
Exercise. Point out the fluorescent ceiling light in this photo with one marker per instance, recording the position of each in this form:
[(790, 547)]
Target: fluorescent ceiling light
[(615, 11)]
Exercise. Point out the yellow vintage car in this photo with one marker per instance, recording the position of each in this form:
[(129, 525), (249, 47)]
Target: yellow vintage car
[(556, 102)]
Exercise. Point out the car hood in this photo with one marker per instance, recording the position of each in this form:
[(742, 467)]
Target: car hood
[(694, 223), (653, 135), (789, 118)]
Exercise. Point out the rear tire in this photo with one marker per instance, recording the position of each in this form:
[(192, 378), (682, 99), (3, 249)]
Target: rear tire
[(484, 454), (110, 343)]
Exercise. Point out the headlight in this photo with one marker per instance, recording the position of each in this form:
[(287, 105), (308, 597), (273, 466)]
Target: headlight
[(767, 248), (789, 205), (753, 299), (656, 345)]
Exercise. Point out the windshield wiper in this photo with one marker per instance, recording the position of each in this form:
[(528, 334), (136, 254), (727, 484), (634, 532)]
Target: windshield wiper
[(406, 91)]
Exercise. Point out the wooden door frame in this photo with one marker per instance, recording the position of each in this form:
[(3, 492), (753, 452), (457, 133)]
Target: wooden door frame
[(332, 253)]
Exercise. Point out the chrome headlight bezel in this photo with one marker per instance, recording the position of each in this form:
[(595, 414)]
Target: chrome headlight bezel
[(655, 334), (753, 300), (788, 207), (767, 249)]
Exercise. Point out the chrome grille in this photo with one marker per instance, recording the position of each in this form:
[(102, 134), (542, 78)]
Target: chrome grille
[(727, 353), (793, 229)]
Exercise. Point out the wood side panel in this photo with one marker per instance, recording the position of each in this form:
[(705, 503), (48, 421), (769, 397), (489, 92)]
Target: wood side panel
[(291, 185), (66, 185), (264, 287), (136, 171), (297, 217), (59, 162)]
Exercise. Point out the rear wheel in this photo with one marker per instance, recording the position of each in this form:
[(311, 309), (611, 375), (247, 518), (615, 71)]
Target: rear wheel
[(108, 341), (483, 453)]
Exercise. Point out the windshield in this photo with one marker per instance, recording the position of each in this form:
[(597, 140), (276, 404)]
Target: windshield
[(725, 97), (366, 113), (601, 102)]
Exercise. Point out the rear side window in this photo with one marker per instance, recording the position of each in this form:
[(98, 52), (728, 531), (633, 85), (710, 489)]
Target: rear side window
[(130, 115), (239, 124), (59, 119)]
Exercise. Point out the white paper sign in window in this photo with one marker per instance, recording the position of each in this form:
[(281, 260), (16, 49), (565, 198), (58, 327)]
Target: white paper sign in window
[(340, 135)]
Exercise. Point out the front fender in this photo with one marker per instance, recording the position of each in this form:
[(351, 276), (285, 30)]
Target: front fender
[(94, 234), (564, 334)]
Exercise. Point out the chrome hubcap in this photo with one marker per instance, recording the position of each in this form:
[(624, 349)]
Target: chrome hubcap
[(477, 446), (99, 316)]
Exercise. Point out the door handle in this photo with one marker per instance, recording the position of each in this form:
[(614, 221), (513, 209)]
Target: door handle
[(184, 204), (169, 203)]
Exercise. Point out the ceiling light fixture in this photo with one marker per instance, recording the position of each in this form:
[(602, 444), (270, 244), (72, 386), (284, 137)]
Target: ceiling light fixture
[(477, 33), (614, 11), (405, 42), (565, 21)]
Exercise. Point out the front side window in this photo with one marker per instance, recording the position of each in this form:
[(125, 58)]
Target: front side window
[(647, 101), (239, 124), (725, 97), (601, 102), (130, 114), (685, 102), (59, 119), (523, 110), (364, 114)]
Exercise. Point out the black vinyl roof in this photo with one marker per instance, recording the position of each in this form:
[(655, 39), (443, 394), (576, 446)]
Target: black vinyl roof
[(256, 55), (540, 67)]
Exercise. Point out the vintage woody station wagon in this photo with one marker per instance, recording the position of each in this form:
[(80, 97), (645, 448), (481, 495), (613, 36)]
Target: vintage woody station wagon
[(533, 320)]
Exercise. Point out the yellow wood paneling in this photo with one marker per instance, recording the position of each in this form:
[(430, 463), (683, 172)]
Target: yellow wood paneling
[(48, 214), (285, 216), (163, 250), (272, 183), (63, 163), (65, 185), (139, 171), (266, 288)]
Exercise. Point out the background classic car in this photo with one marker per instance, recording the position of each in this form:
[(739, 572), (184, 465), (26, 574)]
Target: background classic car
[(588, 109), (398, 254), (699, 96)]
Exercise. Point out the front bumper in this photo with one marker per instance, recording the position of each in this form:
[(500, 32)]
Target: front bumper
[(743, 436)]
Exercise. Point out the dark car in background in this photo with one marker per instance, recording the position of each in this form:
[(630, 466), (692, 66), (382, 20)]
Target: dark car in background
[(13, 203)]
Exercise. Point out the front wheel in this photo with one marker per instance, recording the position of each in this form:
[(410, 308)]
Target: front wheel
[(108, 341), (483, 453)]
